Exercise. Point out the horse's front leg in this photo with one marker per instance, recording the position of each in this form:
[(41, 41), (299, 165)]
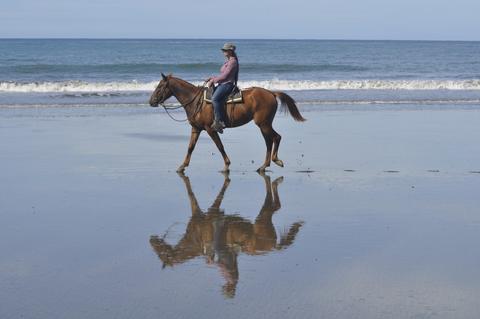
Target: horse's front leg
[(193, 141), (214, 135)]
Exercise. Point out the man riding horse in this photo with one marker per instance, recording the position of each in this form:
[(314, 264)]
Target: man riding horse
[(257, 104)]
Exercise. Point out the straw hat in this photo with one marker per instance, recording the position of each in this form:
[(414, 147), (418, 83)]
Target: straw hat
[(229, 46)]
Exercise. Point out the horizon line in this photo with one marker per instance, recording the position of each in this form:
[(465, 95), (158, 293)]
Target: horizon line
[(233, 39)]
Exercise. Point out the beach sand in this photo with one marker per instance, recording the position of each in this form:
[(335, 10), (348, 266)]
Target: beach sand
[(376, 216)]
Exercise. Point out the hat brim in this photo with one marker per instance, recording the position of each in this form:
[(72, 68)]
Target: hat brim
[(227, 49)]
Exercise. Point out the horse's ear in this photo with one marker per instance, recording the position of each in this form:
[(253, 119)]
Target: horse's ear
[(163, 76)]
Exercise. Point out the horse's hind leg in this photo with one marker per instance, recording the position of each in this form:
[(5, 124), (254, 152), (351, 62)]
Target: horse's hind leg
[(276, 144), (268, 135)]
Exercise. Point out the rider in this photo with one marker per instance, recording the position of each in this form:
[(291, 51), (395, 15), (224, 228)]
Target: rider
[(227, 80)]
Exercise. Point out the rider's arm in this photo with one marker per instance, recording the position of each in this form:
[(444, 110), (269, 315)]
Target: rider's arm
[(227, 71)]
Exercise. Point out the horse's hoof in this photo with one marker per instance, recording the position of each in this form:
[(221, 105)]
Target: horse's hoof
[(181, 169), (261, 169), (278, 180), (278, 162)]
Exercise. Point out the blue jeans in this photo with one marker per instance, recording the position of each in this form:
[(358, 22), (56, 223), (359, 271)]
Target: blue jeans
[(219, 97)]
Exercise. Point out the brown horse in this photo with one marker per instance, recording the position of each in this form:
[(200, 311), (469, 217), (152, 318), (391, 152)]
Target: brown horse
[(259, 105), (221, 237)]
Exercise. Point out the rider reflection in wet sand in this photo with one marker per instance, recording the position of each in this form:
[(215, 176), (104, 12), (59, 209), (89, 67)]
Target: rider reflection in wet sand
[(220, 238)]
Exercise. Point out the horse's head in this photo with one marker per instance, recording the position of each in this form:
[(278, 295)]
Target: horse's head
[(165, 252), (162, 92)]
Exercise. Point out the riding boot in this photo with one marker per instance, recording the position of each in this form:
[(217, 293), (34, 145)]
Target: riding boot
[(218, 126)]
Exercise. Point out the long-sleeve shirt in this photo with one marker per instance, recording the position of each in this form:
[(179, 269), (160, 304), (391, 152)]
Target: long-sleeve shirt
[(227, 72)]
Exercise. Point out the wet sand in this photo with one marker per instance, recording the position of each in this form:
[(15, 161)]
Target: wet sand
[(375, 215)]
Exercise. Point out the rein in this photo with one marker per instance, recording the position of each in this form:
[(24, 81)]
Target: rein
[(173, 108), (198, 107)]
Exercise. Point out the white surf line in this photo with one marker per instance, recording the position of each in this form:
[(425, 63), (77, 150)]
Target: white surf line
[(274, 84)]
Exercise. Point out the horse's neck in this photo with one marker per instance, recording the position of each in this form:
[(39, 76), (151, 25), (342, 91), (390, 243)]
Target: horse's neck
[(184, 92)]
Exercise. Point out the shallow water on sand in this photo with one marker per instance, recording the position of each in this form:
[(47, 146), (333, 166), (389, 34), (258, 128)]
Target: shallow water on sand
[(374, 216)]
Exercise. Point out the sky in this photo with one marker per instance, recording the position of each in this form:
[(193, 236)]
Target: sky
[(237, 19)]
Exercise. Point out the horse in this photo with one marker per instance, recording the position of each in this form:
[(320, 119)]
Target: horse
[(220, 237), (259, 105)]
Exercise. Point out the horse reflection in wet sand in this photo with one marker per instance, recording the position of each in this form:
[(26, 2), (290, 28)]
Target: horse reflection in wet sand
[(220, 237)]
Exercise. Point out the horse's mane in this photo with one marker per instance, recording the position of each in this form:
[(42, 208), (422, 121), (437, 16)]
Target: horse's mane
[(186, 82)]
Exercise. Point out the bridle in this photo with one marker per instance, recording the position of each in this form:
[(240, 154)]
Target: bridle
[(198, 107)]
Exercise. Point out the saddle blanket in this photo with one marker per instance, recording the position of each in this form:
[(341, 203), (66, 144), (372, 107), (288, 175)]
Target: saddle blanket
[(235, 97)]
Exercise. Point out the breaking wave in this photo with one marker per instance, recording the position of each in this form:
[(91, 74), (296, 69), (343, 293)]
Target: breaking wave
[(135, 86)]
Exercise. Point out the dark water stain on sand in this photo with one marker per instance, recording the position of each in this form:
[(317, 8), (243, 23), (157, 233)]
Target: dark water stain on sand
[(433, 171), (305, 171), (391, 171), (349, 170), (474, 172)]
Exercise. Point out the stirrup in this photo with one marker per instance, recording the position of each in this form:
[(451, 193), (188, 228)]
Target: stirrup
[(218, 126)]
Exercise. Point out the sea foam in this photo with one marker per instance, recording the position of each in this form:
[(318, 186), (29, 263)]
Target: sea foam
[(132, 86)]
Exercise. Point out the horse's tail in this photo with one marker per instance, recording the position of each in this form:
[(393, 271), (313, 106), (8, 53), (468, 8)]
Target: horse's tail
[(286, 239), (289, 103)]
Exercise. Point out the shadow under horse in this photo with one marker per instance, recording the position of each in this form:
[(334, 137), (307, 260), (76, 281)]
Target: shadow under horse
[(220, 238)]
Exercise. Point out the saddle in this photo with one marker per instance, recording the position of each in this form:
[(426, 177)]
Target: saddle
[(235, 97)]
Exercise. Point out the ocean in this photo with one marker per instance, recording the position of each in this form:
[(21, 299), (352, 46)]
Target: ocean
[(344, 74)]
